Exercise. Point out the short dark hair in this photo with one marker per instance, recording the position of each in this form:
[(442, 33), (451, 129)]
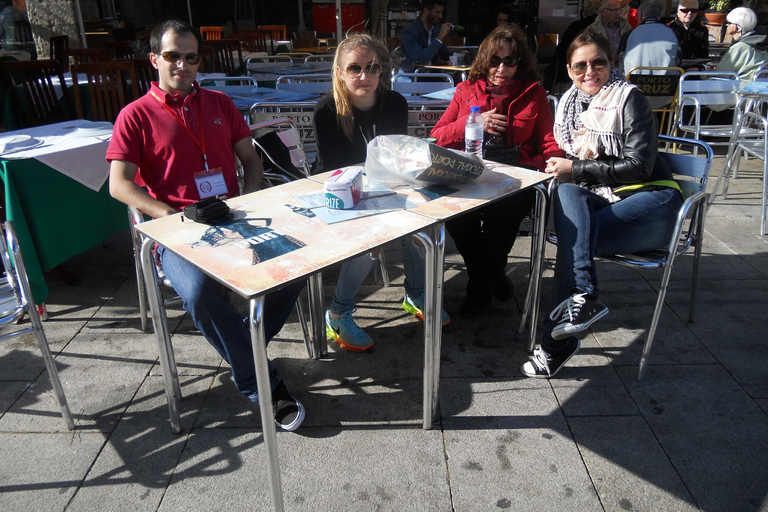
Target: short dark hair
[(178, 26), (430, 4), (588, 37), (518, 45)]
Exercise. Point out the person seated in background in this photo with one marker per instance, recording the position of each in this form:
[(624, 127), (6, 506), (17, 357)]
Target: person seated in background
[(749, 50), (167, 140), (504, 16), (517, 123), (693, 36), (361, 107), (610, 24), (422, 40), (556, 71), (650, 44), (606, 127)]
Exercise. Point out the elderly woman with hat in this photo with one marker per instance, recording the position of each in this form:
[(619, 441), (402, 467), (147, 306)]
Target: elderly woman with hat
[(749, 50)]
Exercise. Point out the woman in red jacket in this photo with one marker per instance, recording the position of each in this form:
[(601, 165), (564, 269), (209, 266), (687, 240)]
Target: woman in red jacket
[(517, 122)]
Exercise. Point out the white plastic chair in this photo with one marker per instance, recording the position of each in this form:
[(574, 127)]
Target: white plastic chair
[(15, 301)]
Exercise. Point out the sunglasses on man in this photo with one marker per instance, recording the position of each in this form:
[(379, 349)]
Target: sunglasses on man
[(174, 57)]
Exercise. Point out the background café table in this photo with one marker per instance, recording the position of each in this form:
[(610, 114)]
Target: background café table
[(56, 193), (269, 245), (271, 71), (246, 96)]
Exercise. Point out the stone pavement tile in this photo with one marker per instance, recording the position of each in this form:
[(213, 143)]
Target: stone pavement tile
[(622, 334), (591, 391), (321, 469), (732, 251), (627, 466), (43, 471), (99, 374), (511, 449), (140, 456), (10, 391), (712, 431), (733, 330)]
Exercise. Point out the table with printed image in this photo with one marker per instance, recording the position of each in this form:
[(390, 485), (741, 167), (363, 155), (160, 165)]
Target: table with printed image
[(272, 240)]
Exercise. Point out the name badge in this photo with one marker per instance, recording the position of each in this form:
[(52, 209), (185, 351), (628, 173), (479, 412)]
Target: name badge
[(210, 183)]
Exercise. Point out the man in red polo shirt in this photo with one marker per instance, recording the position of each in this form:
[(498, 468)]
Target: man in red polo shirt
[(180, 141)]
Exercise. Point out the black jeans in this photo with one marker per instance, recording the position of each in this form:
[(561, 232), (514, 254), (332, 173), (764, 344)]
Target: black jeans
[(484, 238)]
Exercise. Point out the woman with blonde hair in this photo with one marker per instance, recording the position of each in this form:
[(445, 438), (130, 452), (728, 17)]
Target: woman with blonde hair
[(361, 107)]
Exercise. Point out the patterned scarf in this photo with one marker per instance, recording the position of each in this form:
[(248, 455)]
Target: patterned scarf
[(584, 122)]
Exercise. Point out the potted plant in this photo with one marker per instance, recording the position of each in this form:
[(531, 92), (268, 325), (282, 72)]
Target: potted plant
[(717, 11)]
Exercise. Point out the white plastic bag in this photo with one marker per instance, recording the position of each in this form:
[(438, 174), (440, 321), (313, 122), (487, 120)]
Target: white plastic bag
[(401, 159)]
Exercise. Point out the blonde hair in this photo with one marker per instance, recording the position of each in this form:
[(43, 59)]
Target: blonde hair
[(344, 115)]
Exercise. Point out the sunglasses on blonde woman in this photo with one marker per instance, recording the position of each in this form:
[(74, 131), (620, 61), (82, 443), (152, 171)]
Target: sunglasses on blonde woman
[(581, 67), (686, 11), (355, 70)]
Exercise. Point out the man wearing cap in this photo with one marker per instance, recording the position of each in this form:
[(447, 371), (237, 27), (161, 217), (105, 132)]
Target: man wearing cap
[(749, 50)]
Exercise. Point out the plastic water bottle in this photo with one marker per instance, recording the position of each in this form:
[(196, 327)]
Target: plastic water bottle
[(473, 133)]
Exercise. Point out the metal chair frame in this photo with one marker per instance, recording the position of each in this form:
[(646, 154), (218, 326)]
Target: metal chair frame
[(16, 300), (416, 85), (691, 173)]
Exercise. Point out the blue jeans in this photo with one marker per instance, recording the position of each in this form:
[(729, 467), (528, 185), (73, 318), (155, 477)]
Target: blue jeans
[(207, 302), (354, 272), (587, 226)]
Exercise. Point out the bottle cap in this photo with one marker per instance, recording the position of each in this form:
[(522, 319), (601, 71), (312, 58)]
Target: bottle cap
[(474, 109)]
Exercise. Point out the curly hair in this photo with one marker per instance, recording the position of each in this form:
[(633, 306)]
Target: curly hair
[(495, 41), (340, 92)]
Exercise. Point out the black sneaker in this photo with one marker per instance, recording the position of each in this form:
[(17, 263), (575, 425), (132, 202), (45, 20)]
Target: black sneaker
[(289, 413), (575, 314), (543, 365)]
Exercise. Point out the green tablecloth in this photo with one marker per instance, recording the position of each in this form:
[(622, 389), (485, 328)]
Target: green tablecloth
[(55, 217)]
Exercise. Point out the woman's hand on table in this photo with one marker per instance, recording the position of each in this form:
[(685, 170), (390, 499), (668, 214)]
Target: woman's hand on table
[(494, 123), (560, 168)]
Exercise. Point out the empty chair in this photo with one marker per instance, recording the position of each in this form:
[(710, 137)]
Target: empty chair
[(225, 56), (757, 147), (319, 58), (698, 89), (659, 85), (419, 84), (58, 46), (312, 84), (111, 85), (15, 301), (278, 32), (145, 74), (88, 55), (252, 41), (211, 33), (122, 49), (37, 92)]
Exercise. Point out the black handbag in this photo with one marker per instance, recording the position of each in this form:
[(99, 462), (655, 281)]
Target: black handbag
[(502, 153), (207, 211)]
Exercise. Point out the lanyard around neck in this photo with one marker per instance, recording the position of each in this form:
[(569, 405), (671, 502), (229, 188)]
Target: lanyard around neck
[(201, 142)]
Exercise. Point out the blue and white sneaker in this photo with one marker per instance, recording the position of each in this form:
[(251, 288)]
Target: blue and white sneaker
[(346, 332), (416, 307)]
